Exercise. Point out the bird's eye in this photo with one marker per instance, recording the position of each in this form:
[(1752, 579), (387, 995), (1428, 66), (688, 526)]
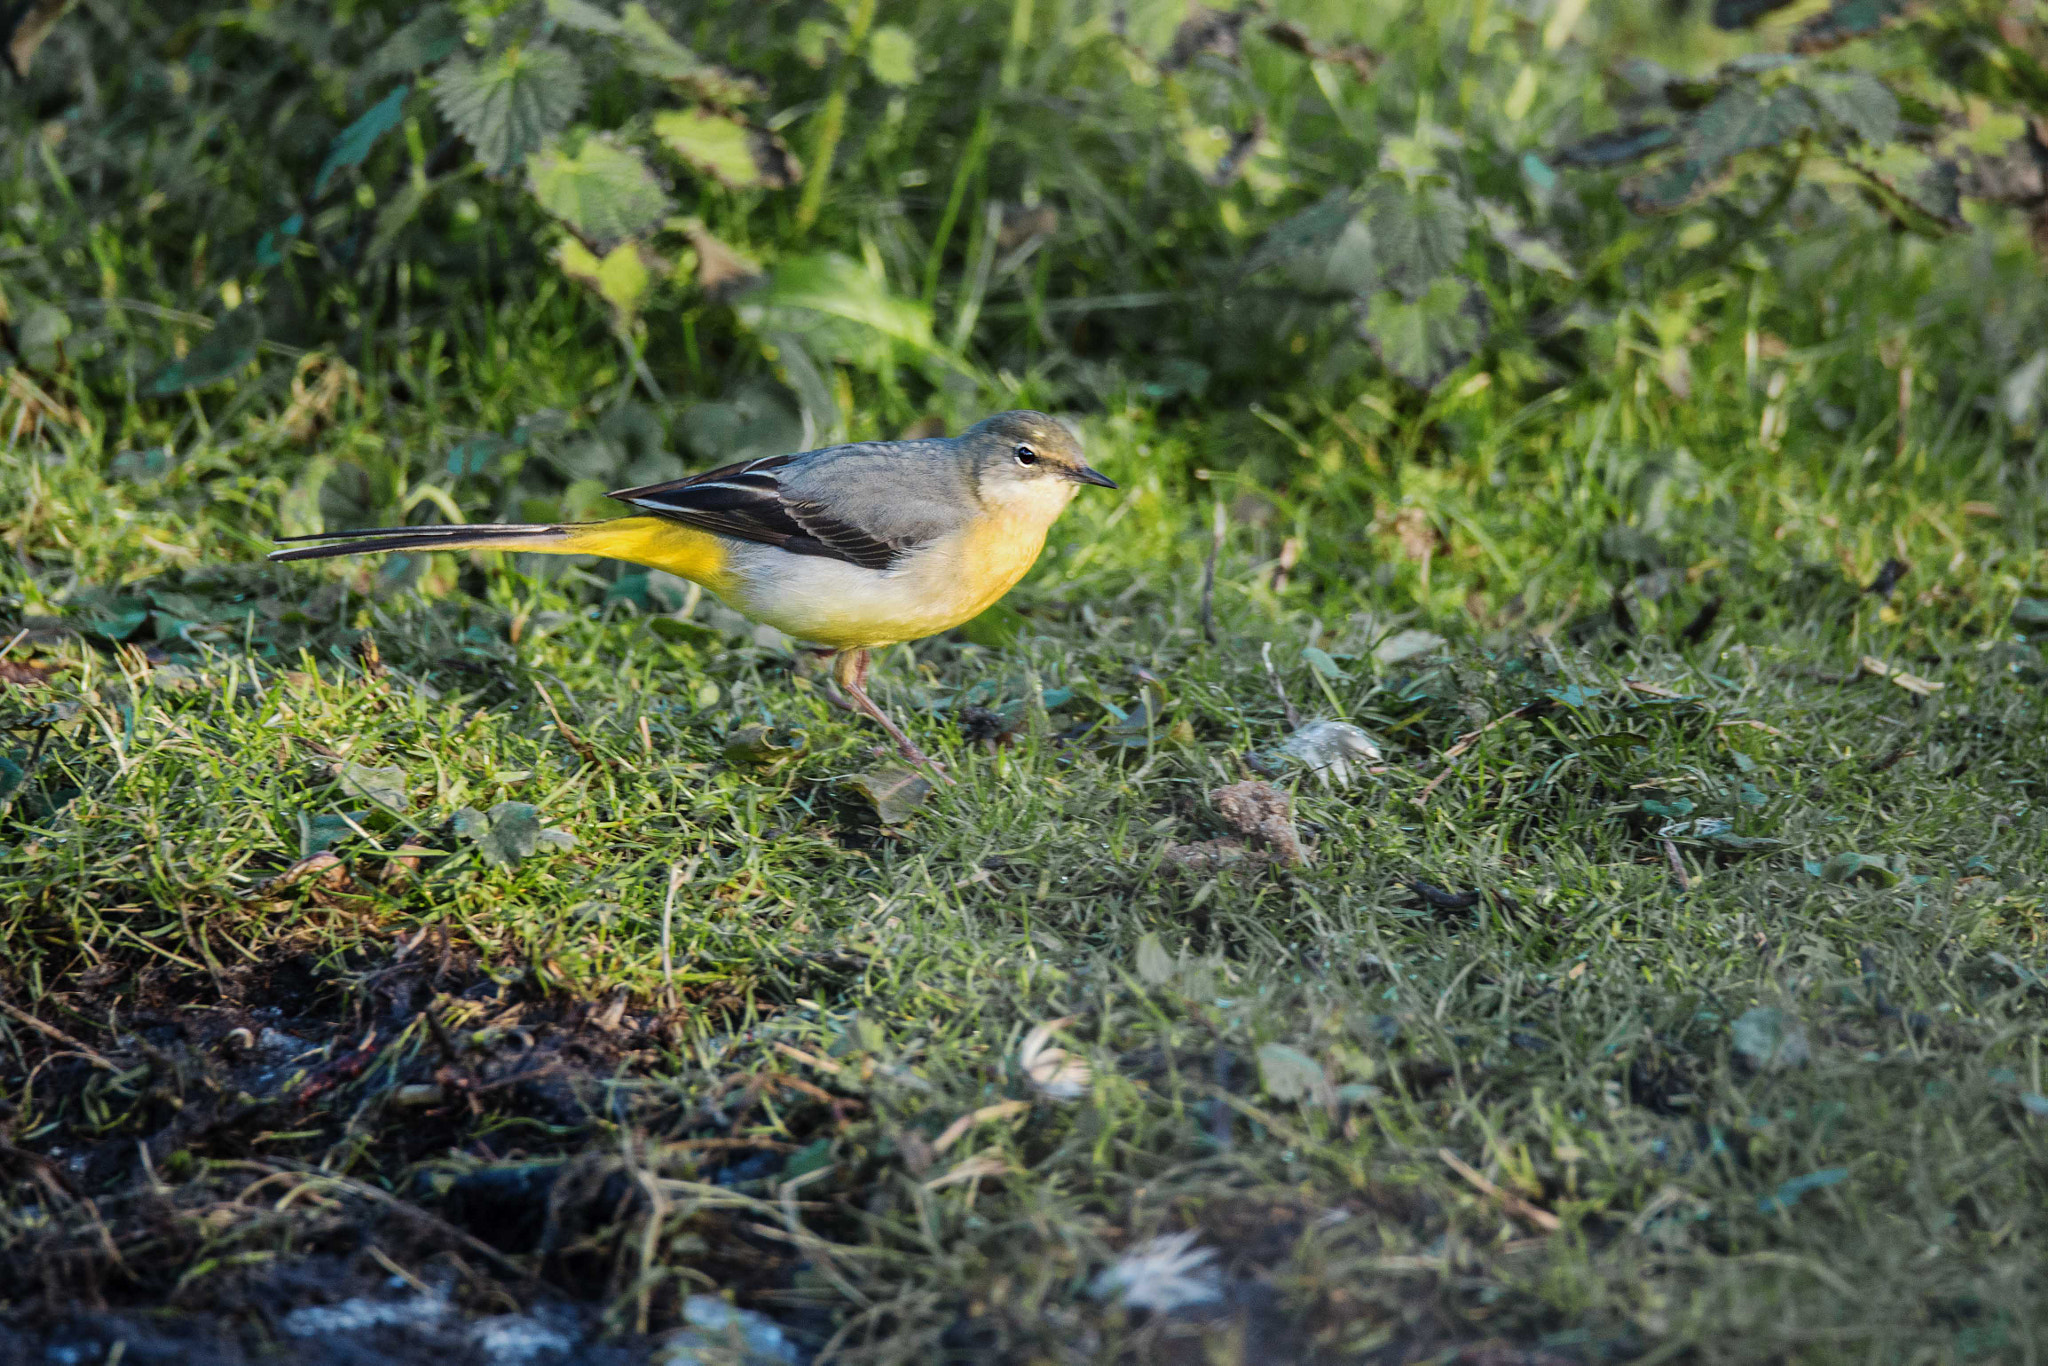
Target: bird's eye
[(1026, 456)]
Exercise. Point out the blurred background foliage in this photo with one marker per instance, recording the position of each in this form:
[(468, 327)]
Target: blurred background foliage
[(736, 228)]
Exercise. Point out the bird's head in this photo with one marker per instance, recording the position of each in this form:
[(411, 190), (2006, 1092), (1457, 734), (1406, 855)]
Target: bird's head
[(1026, 462)]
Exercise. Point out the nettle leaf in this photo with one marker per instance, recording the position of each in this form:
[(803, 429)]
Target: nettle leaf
[(620, 277), (1848, 20), (1425, 340), (220, 355), (354, 142), (1859, 103), (585, 17), (1746, 118), (728, 149), (426, 40), (1324, 250), (508, 105), (1732, 14), (838, 287), (892, 55), (1619, 147), (1922, 192), (1417, 235), (604, 191), (653, 51)]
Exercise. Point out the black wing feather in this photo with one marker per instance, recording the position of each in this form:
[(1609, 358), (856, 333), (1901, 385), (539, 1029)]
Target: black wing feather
[(746, 501)]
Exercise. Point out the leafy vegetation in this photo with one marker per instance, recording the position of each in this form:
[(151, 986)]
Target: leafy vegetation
[(1511, 840)]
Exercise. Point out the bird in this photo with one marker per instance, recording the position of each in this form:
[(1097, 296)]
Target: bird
[(846, 548)]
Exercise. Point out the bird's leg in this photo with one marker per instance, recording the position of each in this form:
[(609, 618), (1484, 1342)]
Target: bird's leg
[(831, 689), (851, 671)]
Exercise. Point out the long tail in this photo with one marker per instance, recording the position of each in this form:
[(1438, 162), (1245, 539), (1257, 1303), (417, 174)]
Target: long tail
[(654, 541), (535, 538)]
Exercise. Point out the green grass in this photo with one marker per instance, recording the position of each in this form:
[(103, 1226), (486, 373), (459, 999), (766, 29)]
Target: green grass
[(274, 1030), (1570, 1035)]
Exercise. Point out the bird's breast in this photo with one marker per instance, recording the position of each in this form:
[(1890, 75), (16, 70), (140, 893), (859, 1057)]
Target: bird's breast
[(932, 589)]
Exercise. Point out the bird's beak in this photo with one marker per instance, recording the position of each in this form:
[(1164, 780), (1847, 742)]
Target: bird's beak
[(1084, 475)]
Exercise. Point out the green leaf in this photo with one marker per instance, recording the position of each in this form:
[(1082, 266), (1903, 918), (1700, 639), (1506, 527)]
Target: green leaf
[(423, 42), (1732, 14), (895, 793), (1289, 1075), (1417, 236), (1847, 20), (604, 192), (354, 142), (507, 833), (1853, 867), (1791, 1192), (1671, 188), (1426, 340), (1303, 243), (1619, 147), (506, 106), (620, 277), (2031, 614), (1323, 663), (763, 745), (653, 51), (1154, 964), (730, 150), (1771, 1038), (892, 55), (220, 355), (585, 17), (1746, 118), (383, 786), (838, 287), (1859, 103), (1924, 193), (1537, 253)]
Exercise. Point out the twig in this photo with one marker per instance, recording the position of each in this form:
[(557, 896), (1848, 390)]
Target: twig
[(96, 1058), (1514, 1204), (576, 742), (987, 1114), (1677, 866), (1209, 574), (678, 874), (1266, 657)]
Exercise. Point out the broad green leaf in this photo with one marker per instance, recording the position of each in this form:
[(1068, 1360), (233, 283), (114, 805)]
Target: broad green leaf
[(653, 51), (585, 17), (384, 786), (220, 355), (354, 142), (620, 277), (41, 331), (1311, 233), (604, 192), (838, 287), (1154, 964), (1771, 1038), (504, 835), (1924, 193), (1289, 1075), (892, 55), (1537, 253), (1324, 663), (1854, 867), (506, 106), (1619, 147), (1746, 118), (815, 39), (1859, 103), (1426, 340), (728, 149), (426, 40), (1417, 235), (895, 793)]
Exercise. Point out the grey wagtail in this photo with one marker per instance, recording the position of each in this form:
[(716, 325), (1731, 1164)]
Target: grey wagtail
[(847, 548)]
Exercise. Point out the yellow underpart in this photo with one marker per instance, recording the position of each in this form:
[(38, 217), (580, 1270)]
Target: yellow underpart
[(655, 542)]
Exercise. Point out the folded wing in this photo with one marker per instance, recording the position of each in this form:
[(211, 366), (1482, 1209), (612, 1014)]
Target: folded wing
[(868, 504)]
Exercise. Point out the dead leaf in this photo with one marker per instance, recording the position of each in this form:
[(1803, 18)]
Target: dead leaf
[(1209, 856), (721, 271), (1053, 1071), (30, 25), (1912, 683), (968, 1169), (987, 1114)]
